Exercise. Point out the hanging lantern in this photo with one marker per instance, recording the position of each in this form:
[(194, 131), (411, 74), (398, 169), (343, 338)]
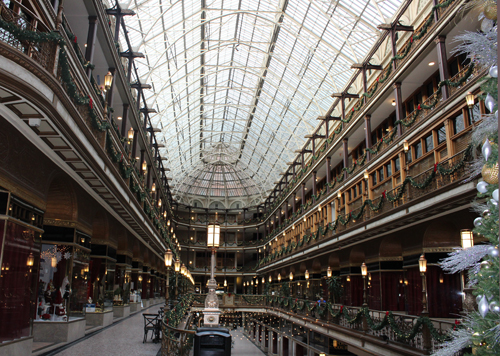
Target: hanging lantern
[(144, 167)]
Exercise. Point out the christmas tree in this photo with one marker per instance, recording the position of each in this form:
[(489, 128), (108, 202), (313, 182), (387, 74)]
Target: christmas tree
[(479, 331)]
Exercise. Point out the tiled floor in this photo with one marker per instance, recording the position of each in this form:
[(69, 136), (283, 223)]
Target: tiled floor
[(243, 346), (124, 338)]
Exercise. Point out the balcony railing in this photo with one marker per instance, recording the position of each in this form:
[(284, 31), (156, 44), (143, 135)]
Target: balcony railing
[(394, 327), (413, 188)]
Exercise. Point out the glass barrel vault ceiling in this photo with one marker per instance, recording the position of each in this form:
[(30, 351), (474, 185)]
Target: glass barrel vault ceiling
[(252, 74)]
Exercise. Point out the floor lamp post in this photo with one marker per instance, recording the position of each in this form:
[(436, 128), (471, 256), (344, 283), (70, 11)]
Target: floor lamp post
[(177, 268), (364, 272), (168, 263), (426, 334), (211, 312)]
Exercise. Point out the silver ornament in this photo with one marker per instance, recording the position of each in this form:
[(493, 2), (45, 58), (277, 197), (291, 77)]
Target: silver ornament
[(495, 194), (494, 307), (478, 298), (486, 213), (493, 202), (489, 102), (478, 222), (483, 306), (493, 251), (482, 187), (486, 25), (494, 71), (487, 149)]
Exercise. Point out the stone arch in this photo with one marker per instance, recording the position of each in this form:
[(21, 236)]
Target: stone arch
[(357, 256), (442, 233), (196, 203), (237, 205), (316, 266), (100, 228), (62, 202), (216, 204), (391, 246), (333, 261)]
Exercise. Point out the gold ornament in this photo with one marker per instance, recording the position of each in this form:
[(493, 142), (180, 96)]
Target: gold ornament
[(490, 174), (490, 11)]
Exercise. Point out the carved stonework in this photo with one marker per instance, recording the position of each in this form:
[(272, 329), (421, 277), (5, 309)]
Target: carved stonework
[(212, 301)]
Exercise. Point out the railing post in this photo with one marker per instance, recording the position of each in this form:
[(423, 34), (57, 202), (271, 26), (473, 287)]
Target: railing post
[(399, 105), (443, 64)]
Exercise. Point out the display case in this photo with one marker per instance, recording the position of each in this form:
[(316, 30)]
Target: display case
[(64, 274)]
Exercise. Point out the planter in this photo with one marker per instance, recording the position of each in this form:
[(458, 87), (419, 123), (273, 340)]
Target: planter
[(17, 347), (134, 307), (145, 303), (58, 331), (99, 318), (121, 311)]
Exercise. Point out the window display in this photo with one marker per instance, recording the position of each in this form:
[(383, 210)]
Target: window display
[(62, 285)]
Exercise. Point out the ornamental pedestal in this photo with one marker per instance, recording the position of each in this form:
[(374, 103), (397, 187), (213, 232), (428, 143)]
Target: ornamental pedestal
[(211, 312)]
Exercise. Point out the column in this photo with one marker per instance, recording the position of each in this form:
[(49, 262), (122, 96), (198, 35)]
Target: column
[(149, 176), (140, 163), (328, 174), (294, 205), (314, 185), (399, 105), (125, 120), (443, 64), (110, 94), (345, 148), (368, 135), (303, 193), (89, 52)]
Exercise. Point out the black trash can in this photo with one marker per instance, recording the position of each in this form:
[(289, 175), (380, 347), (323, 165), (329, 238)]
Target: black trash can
[(212, 342)]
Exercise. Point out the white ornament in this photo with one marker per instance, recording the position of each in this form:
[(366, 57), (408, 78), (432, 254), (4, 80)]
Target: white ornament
[(493, 202), (495, 194), (483, 306), (478, 222), (496, 114), (482, 187), (489, 102), (494, 71), (493, 251), (494, 307), (478, 298), (486, 150)]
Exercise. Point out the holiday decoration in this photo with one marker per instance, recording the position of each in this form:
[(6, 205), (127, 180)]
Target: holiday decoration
[(482, 187), (490, 12), (490, 174), (486, 150), (479, 330)]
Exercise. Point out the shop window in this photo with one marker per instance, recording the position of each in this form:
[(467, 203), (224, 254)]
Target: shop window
[(429, 87), (381, 174), (389, 169), (418, 97), (429, 143), (409, 106), (458, 124), (355, 192), (360, 189), (418, 150), (453, 67), (441, 135), (408, 156), (396, 165), (374, 178)]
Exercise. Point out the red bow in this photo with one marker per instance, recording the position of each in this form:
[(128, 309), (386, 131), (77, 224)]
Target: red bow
[(386, 313), (91, 103), (418, 107), (74, 40), (383, 193), (435, 167), (377, 79), (341, 308), (411, 39)]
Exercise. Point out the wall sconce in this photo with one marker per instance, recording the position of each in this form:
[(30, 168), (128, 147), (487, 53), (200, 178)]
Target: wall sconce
[(441, 278), (469, 98), (306, 274), (328, 272), (319, 208), (406, 146), (159, 203), (270, 279), (130, 134), (291, 276), (366, 175), (53, 262), (153, 187), (144, 167), (348, 278), (393, 103), (164, 214), (279, 277), (168, 222), (31, 260)]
